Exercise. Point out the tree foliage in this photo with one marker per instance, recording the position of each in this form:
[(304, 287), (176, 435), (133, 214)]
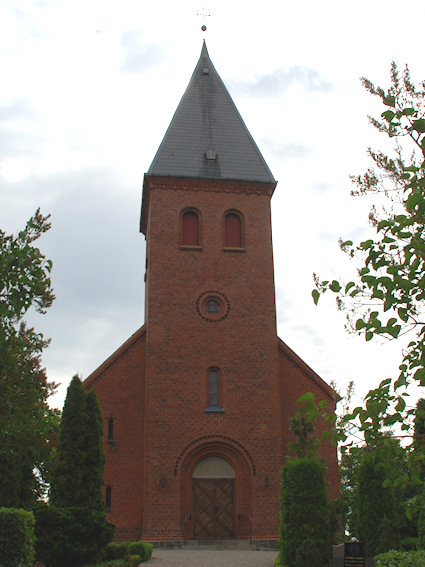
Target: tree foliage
[(381, 479), (306, 527), (25, 273), (305, 532), (73, 530), (77, 479), (95, 460), (69, 474), (16, 538), (27, 424), (388, 296)]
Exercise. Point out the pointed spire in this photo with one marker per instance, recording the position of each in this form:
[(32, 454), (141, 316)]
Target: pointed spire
[(207, 137)]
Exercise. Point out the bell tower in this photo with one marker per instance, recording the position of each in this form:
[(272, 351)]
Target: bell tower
[(212, 357)]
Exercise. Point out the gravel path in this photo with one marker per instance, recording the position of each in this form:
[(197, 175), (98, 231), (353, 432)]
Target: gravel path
[(208, 558)]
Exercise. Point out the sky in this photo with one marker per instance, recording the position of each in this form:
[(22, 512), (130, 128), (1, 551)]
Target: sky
[(88, 88)]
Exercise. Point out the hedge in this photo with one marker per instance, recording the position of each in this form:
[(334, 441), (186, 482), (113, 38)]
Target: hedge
[(123, 549), (400, 559), (70, 537), (16, 538)]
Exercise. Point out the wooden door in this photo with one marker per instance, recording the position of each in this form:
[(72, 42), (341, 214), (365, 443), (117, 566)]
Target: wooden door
[(213, 508)]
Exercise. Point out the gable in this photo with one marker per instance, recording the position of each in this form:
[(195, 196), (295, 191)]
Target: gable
[(297, 375), (131, 353)]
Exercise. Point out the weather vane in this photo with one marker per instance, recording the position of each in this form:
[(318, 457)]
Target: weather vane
[(203, 15)]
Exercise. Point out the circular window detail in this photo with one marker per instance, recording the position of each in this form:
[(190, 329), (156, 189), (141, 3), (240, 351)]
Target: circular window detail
[(212, 306)]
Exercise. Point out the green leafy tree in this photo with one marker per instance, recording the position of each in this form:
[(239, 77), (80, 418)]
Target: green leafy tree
[(387, 298), (27, 424)]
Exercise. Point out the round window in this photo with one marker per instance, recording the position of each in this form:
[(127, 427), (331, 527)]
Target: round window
[(212, 306)]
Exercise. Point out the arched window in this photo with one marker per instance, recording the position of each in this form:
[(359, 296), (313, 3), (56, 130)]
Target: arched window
[(233, 230), (190, 228), (214, 390)]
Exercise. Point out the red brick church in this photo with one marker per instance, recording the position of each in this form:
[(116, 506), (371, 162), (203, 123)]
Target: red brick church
[(196, 404)]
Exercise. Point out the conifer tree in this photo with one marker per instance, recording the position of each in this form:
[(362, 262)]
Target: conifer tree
[(95, 457), (73, 529), (67, 488)]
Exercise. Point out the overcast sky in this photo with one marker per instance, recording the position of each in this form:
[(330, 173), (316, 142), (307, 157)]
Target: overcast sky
[(88, 88)]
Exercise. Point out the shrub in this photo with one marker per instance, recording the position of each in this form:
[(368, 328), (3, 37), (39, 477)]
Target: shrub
[(307, 554), (305, 533), (378, 508), (123, 549), (409, 544), (70, 537), (16, 538), (400, 559)]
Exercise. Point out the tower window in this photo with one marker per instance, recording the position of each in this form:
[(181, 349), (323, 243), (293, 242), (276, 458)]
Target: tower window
[(212, 306), (213, 391), (111, 430), (108, 499), (190, 228), (233, 230), (213, 388)]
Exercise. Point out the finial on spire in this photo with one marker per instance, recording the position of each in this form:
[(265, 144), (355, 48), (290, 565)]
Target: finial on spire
[(204, 15)]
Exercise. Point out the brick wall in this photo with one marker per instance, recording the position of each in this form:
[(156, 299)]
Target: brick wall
[(156, 386)]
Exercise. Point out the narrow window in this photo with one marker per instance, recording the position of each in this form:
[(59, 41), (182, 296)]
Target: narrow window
[(213, 388), (108, 499), (190, 229), (111, 430), (214, 391), (232, 231)]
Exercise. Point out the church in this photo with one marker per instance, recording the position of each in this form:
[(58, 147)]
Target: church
[(196, 404)]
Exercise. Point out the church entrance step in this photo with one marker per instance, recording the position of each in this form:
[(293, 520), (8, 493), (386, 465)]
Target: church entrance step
[(218, 544)]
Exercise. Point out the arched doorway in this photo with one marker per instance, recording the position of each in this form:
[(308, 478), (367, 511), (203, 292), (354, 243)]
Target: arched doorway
[(213, 482)]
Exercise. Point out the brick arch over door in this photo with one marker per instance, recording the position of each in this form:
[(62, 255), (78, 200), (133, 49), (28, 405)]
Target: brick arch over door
[(242, 484)]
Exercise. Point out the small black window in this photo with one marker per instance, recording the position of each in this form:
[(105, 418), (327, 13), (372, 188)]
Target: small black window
[(111, 430), (108, 499)]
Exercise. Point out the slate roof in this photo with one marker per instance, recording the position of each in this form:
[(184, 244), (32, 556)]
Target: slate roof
[(207, 137)]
